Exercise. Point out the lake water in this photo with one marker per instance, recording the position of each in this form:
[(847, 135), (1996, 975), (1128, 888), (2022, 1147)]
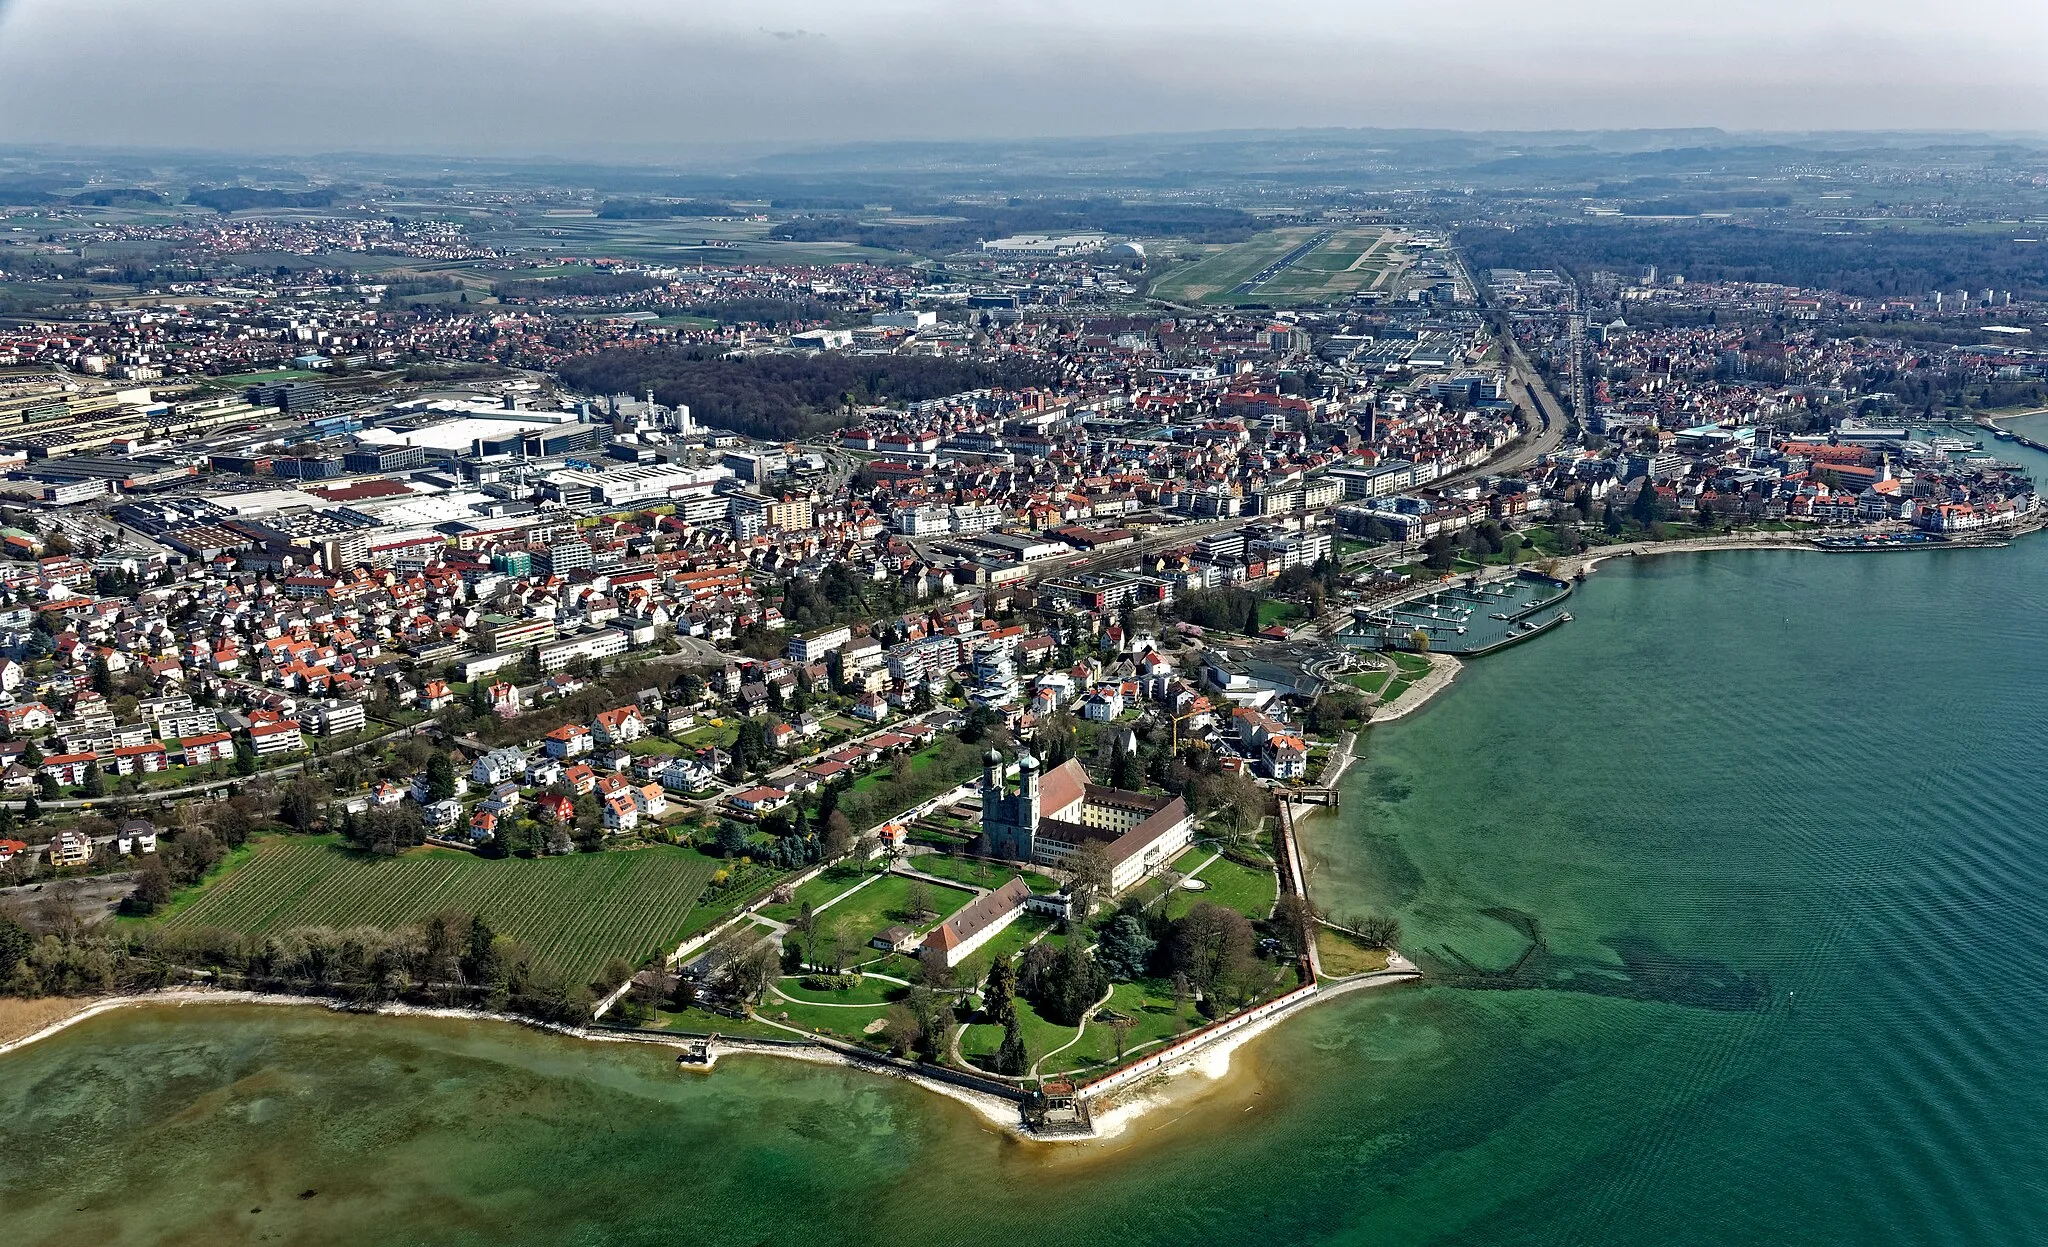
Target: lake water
[(1732, 895)]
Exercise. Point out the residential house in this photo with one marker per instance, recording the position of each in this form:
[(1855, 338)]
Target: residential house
[(331, 718), (621, 813), (146, 759), (622, 726), (571, 740), (280, 737), (758, 801), (499, 765), (69, 848), (211, 747), (68, 769), (651, 800), (1286, 756)]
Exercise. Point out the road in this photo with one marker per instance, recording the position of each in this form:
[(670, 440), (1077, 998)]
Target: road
[(214, 785)]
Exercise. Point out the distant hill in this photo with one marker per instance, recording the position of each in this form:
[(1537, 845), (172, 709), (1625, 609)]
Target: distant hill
[(243, 198)]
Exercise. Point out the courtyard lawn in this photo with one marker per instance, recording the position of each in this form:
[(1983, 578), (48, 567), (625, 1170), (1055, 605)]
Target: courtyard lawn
[(883, 904), (980, 874), (1248, 891), (815, 892)]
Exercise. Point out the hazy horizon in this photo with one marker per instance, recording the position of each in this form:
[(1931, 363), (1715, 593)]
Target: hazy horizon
[(634, 78)]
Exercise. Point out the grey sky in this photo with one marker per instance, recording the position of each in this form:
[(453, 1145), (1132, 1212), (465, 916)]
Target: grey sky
[(570, 77)]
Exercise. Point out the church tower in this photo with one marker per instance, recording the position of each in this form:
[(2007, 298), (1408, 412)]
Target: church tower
[(1009, 820)]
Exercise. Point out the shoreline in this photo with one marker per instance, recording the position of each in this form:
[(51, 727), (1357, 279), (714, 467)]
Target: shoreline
[(1443, 668), (1000, 1112), (1163, 1088), (1170, 1087)]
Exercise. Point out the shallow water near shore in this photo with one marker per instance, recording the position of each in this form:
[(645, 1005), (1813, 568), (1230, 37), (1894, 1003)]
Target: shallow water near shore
[(1730, 892)]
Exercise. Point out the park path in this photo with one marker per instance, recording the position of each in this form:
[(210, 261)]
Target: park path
[(1079, 1031)]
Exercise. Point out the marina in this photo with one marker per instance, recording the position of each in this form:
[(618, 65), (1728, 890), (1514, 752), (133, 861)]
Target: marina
[(1881, 541), (1468, 620)]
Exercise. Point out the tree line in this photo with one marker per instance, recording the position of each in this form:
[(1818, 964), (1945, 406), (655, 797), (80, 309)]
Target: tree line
[(577, 285), (451, 959), (782, 397)]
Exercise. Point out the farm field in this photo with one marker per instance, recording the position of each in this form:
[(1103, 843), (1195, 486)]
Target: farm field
[(575, 912)]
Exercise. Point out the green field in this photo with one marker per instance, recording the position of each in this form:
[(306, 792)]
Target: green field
[(576, 912), (1248, 891), (1211, 278), (1351, 259), (882, 904), (1273, 611), (1344, 954), (978, 874)]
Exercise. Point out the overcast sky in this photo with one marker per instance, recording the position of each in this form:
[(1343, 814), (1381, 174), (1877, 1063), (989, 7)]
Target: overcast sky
[(588, 77)]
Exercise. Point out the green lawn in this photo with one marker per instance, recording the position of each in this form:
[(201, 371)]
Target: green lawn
[(978, 873), (815, 892), (647, 746), (265, 378), (1008, 942), (1040, 1036), (721, 735), (882, 904), (1149, 1003), (576, 912), (865, 991), (1345, 954), (704, 1022), (1248, 891), (846, 1023), (1275, 612)]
